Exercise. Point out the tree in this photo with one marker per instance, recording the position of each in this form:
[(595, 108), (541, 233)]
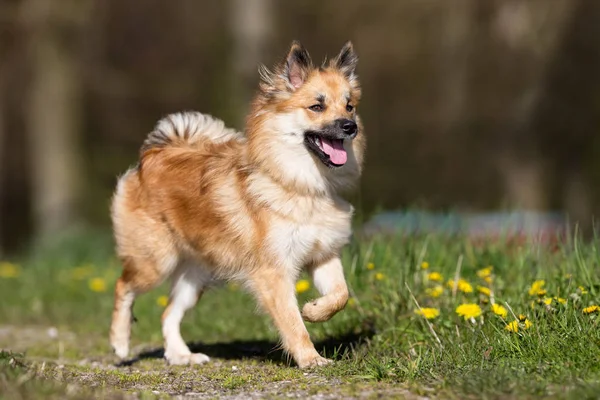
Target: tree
[(54, 111)]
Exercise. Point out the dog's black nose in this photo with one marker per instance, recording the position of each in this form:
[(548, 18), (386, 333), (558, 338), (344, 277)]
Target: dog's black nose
[(349, 127)]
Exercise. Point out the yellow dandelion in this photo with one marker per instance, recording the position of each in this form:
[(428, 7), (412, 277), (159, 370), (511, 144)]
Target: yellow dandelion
[(591, 309), (499, 310), (469, 310), (424, 265), (484, 290), (561, 300), (162, 301), (527, 324), (522, 317), (97, 285), (488, 280), (536, 288), (379, 276), (542, 292), (462, 285), (512, 326), (302, 286), (485, 272), (435, 291), (370, 266), (435, 276), (429, 313), (582, 290), (547, 300), (9, 270), (351, 302)]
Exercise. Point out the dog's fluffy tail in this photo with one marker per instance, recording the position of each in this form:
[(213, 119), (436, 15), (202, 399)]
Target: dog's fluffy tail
[(188, 129)]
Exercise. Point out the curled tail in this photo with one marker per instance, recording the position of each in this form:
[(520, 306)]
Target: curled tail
[(187, 129)]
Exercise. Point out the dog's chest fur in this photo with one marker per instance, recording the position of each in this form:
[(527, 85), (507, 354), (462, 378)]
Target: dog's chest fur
[(315, 231)]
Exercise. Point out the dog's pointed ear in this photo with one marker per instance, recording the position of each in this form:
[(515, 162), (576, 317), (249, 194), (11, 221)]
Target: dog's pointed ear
[(346, 61), (297, 65)]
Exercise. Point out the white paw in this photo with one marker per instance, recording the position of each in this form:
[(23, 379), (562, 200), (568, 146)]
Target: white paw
[(317, 361), (186, 358), (121, 348)]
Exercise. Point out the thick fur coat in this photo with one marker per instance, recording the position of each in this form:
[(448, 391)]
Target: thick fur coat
[(208, 203)]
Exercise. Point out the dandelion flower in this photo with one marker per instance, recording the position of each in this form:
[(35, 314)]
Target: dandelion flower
[(485, 272), (97, 285), (302, 286), (512, 326), (527, 324), (9, 270), (435, 291), (162, 301), (435, 276), (582, 290), (499, 310), (424, 265), (536, 288), (591, 309), (547, 300), (488, 280), (462, 285), (561, 300), (429, 313), (469, 310), (379, 276), (484, 290), (522, 318), (370, 266)]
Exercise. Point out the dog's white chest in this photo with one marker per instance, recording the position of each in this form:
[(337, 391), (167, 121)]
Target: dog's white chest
[(297, 244)]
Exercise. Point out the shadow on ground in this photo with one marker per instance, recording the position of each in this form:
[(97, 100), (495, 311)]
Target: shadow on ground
[(333, 347)]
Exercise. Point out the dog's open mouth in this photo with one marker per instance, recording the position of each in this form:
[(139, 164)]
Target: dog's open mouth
[(330, 151)]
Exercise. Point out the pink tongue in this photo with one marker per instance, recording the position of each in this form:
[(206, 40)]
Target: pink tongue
[(334, 148)]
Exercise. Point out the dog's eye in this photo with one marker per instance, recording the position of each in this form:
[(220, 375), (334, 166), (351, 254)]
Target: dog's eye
[(316, 108), (349, 108)]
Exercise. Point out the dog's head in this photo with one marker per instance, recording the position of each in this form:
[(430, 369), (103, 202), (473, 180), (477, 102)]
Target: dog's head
[(307, 116)]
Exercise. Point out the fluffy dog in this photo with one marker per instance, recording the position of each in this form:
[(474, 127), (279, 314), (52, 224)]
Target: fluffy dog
[(208, 203)]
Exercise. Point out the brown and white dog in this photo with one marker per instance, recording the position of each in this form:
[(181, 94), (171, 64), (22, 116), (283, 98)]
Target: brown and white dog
[(208, 203)]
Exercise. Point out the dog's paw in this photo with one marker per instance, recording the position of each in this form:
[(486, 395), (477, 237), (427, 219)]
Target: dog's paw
[(313, 362), (186, 359), (121, 348)]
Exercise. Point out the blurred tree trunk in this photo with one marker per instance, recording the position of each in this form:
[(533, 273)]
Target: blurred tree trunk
[(2, 136), (251, 22), (54, 112), (456, 31), (531, 32)]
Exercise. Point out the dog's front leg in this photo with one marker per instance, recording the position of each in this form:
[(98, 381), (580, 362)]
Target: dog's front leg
[(329, 280), (275, 292)]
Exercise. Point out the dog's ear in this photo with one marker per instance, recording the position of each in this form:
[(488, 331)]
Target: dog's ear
[(296, 66), (346, 61)]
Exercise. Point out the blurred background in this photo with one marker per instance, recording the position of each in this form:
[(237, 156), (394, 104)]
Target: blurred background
[(470, 106)]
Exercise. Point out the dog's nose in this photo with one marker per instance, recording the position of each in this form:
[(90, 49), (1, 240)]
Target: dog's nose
[(349, 127)]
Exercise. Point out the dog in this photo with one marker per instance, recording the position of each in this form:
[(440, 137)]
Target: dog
[(207, 203)]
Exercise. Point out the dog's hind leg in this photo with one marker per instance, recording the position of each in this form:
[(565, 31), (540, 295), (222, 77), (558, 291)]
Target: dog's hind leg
[(330, 282), (138, 277), (188, 285)]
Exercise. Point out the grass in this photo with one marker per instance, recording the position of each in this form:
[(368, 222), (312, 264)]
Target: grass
[(56, 306)]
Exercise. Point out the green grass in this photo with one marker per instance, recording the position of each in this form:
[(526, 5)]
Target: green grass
[(381, 345)]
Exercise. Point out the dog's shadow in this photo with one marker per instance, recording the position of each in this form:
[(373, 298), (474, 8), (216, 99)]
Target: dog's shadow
[(333, 347)]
